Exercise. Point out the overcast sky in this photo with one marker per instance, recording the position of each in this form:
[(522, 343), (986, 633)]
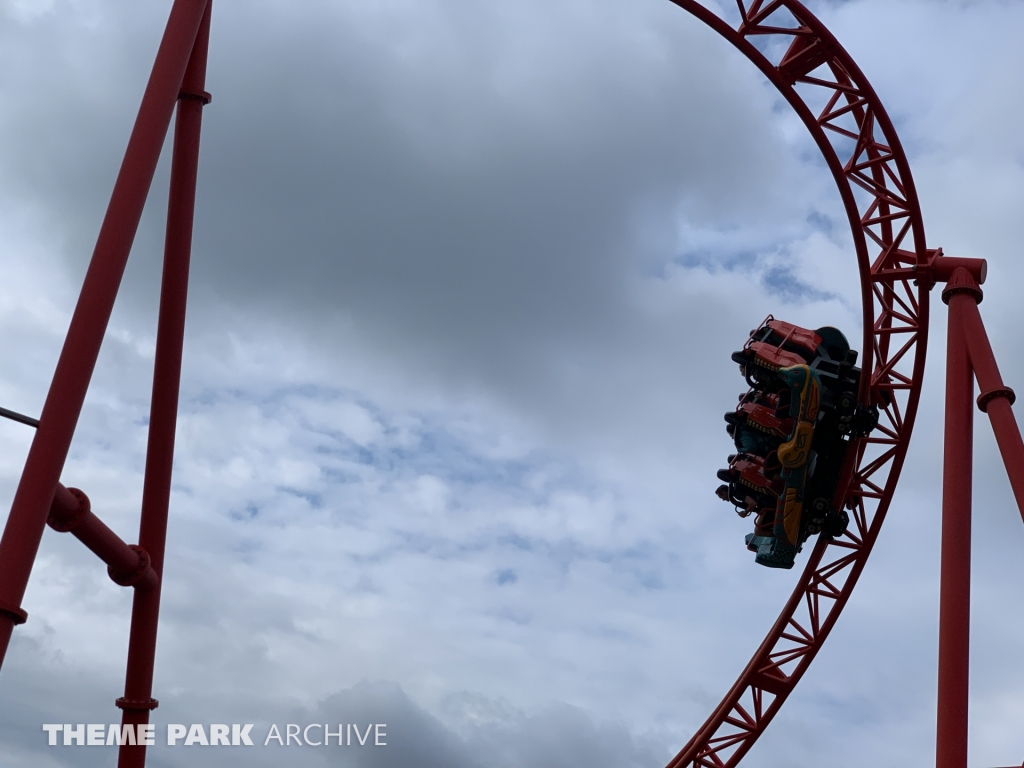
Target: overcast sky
[(466, 278)]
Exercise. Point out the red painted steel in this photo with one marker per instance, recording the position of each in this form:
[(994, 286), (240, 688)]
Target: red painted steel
[(996, 399), (828, 91), (138, 700), (127, 565), (848, 123), (178, 77), (49, 449), (969, 355), (943, 267), (955, 580)]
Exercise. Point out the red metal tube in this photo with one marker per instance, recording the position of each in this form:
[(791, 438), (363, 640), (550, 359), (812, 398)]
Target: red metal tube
[(1010, 446), (943, 267), (127, 565), (955, 580), (46, 457), (996, 399), (137, 700)]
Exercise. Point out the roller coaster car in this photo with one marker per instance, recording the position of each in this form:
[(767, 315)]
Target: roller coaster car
[(764, 413), (747, 477), (803, 403)]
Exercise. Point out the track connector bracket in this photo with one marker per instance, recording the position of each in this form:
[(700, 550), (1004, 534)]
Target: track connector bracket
[(940, 269)]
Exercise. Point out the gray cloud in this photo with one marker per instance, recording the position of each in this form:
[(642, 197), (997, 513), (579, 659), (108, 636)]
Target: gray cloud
[(466, 278), (477, 202)]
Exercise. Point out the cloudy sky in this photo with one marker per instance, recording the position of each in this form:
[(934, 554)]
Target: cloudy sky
[(466, 279)]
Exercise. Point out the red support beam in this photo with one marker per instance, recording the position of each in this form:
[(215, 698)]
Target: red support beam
[(969, 352), (995, 399), (35, 493), (127, 565), (137, 700), (955, 579)]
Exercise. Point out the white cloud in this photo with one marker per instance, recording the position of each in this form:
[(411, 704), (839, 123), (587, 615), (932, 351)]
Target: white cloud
[(466, 281)]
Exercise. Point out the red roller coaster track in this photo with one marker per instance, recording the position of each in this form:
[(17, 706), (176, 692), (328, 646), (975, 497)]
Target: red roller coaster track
[(844, 115), (822, 83), (856, 137)]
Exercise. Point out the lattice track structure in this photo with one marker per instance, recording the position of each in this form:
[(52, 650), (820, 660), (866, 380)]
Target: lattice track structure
[(844, 115), (847, 121)]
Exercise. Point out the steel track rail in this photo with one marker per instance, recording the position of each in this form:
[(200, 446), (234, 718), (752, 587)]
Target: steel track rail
[(847, 121)]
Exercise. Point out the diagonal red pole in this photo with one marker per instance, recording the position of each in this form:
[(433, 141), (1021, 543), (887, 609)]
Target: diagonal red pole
[(49, 449), (955, 579), (969, 352), (995, 399), (137, 700)]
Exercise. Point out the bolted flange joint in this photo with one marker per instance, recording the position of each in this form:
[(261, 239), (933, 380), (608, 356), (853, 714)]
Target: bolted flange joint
[(13, 612), (70, 506), (136, 705), (143, 577), (202, 96), (987, 397), (962, 282)]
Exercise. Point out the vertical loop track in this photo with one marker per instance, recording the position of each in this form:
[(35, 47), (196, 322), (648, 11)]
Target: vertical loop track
[(843, 113)]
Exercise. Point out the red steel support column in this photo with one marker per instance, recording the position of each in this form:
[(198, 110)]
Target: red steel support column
[(46, 457), (955, 584), (137, 700), (996, 399)]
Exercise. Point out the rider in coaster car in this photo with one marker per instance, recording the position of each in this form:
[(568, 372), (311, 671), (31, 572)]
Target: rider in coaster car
[(749, 487), (756, 425), (747, 503)]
